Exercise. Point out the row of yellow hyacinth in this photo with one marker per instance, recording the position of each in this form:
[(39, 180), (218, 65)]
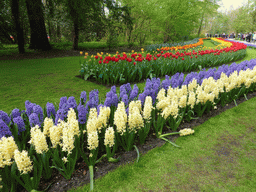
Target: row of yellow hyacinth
[(169, 103)]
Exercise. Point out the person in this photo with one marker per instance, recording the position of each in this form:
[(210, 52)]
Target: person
[(254, 37)]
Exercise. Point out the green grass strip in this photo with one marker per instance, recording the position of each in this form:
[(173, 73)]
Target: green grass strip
[(219, 156)]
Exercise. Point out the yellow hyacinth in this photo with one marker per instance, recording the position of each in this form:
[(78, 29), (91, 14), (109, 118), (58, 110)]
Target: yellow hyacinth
[(103, 117), (186, 131), (92, 122), (56, 134), (48, 123), (38, 139), (147, 108), (135, 119), (73, 122), (23, 161), (93, 140), (7, 148), (120, 118), (109, 137)]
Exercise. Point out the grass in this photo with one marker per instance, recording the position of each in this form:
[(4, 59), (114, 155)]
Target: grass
[(220, 156), (47, 80)]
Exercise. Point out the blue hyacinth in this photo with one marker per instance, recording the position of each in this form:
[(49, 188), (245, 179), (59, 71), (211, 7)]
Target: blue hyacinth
[(82, 113), (34, 120), (50, 109), (83, 98), (4, 129), (5, 117), (15, 113), (20, 123)]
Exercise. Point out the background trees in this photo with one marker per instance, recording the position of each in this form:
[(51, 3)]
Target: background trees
[(42, 21)]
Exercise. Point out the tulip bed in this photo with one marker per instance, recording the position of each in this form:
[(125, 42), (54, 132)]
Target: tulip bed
[(165, 61), (37, 140)]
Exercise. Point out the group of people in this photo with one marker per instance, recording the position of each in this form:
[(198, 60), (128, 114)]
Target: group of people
[(248, 37), (217, 35)]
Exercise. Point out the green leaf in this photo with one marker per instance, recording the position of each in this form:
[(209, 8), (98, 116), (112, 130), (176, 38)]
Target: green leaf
[(86, 76)]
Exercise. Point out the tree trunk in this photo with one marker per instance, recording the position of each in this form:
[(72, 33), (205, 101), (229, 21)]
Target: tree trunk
[(76, 34), (38, 37), (58, 33), (200, 26), (19, 30)]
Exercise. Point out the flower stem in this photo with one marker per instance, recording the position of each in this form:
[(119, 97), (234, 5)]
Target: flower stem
[(167, 134), (138, 154), (91, 177), (169, 141)]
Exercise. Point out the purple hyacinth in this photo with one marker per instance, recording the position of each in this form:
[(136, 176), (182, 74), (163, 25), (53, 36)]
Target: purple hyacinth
[(20, 123), (15, 113), (5, 117), (39, 111), (113, 89), (125, 99), (29, 107), (61, 114), (50, 109), (134, 93), (142, 98), (63, 103), (93, 99), (98, 108), (166, 82), (71, 103), (82, 113), (125, 89), (4, 129), (83, 98), (111, 99), (34, 120)]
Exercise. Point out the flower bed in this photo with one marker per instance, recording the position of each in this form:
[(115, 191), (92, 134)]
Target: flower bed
[(55, 139), (247, 44), (154, 47), (136, 67)]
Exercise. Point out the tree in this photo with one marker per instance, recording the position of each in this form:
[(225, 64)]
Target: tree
[(38, 38), (208, 8), (19, 29)]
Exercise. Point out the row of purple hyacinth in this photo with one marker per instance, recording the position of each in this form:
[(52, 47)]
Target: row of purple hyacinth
[(35, 115)]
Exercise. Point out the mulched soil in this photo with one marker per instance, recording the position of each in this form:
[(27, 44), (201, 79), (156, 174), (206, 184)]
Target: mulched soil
[(64, 53), (81, 175)]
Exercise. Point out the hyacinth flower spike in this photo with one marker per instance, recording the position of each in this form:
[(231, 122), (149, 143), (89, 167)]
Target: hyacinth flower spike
[(95, 124), (21, 168), (126, 136), (7, 148), (64, 159)]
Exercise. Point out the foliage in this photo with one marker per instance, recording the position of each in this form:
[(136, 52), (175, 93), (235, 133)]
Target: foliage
[(124, 69)]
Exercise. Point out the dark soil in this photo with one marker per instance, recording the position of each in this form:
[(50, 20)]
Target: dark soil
[(65, 53), (81, 175)]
